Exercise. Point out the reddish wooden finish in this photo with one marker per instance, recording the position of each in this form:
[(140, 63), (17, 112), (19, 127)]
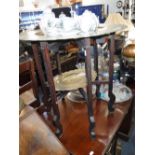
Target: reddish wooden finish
[(111, 69), (74, 119), (37, 59), (49, 73), (36, 138), (89, 88)]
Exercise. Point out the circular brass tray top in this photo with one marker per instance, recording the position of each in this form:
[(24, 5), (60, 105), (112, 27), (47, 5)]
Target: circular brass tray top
[(37, 35)]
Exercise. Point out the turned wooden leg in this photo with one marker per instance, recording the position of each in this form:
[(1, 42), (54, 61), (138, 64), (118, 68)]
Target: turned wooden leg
[(96, 66), (36, 51), (49, 73), (110, 93), (89, 88)]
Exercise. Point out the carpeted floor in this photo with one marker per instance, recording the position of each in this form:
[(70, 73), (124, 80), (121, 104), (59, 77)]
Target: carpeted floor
[(127, 148)]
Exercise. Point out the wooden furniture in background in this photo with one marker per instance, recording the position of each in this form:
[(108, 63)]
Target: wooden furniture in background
[(36, 138), (28, 89)]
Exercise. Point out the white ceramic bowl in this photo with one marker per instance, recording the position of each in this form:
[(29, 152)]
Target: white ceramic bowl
[(88, 21)]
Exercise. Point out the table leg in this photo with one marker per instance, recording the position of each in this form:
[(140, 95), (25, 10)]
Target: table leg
[(83, 93), (96, 66), (89, 88), (37, 60), (58, 62), (48, 69), (110, 93)]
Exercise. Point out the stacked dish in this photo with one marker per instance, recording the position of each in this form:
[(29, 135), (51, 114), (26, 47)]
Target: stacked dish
[(121, 92), (52, 26)]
